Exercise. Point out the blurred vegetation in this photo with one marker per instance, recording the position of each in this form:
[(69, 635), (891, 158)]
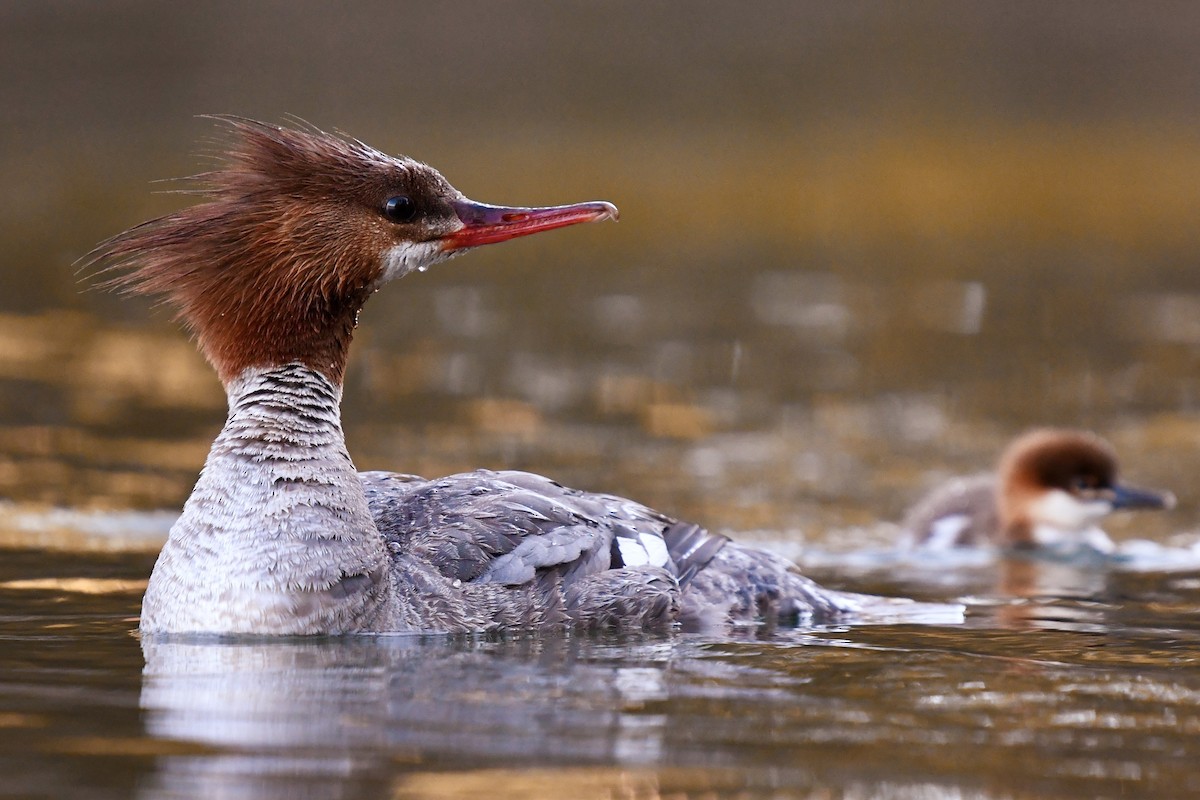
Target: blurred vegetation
[(942, 133)]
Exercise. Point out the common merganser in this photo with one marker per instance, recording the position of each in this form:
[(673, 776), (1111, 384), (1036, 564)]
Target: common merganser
[(1052, 488), (281, 535)]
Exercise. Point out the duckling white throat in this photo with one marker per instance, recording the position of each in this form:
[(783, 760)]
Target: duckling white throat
[(1061, 518), (1059, 509)]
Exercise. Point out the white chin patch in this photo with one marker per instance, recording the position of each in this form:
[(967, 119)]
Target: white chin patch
[(1093, 537), (407, 257), (1067, 513)]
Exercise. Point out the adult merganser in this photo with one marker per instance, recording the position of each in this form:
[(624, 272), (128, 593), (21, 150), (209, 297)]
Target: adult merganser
[(1052, 488), (281, 534)]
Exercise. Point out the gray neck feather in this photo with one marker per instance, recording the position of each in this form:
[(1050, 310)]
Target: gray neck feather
[(276, 536)]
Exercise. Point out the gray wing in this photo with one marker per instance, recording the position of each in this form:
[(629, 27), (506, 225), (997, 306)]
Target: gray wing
[(516, 528), (961, 513)]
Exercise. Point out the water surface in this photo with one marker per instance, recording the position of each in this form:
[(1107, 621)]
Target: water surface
[(1046, 696)]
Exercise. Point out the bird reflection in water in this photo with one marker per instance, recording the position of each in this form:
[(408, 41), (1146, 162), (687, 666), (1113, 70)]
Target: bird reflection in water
[(297, 718)]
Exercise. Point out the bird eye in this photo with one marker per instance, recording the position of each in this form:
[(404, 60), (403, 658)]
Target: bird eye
[(400, 209)]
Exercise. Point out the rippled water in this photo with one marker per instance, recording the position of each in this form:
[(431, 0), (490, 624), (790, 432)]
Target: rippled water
[(862, 246), (1087, 693)]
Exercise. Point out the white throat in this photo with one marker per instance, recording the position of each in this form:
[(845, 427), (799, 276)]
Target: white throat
[(1060, 518), (401, 259)]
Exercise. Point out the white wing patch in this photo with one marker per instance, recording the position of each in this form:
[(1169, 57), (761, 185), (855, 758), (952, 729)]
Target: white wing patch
[(656, 549), (646, 550), (944, 532)]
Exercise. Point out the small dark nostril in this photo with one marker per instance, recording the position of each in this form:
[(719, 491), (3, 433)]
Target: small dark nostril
[(514, 217)]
